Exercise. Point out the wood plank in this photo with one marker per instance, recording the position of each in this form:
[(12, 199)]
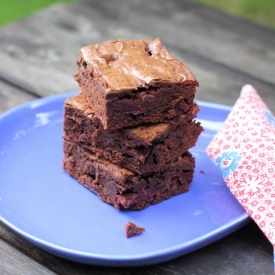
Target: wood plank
[(179, 26), (246, 245), (11, 96), (221, 84), (13, 262), (223, 87), (48, 67), (230, 22)]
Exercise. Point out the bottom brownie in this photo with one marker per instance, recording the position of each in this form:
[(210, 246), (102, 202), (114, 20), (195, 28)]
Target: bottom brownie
[(122, 188)]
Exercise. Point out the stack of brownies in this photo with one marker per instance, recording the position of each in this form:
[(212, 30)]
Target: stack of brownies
[(127, 134)]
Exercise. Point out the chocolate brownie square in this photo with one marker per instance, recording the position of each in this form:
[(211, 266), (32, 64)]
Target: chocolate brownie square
[(142, 149), (131, 82), (122, 188)]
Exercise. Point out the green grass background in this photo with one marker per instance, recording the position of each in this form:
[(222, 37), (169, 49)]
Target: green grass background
[(260, 11), (12, 10)]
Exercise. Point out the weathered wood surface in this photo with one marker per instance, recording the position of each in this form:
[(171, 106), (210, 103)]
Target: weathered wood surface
[(37, 58), (224, 52), (12, 260), (11, 96)]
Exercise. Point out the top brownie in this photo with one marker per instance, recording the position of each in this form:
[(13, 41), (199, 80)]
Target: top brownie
[(128, 83)]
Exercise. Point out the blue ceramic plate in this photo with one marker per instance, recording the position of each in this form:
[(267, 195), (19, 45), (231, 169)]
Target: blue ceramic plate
[(39, 201)]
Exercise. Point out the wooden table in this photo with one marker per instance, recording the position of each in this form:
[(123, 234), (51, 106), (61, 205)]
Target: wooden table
[(37, 59)]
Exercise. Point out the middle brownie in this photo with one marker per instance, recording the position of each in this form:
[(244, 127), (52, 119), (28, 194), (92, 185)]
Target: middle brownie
[(142, 149)]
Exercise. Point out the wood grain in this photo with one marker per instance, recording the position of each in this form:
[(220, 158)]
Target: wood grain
[(47, 67), (12, 261), (182, 28), (11, 96)]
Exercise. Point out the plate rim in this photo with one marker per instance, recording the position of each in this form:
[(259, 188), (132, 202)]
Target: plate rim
[(148, 258), (140, 259)]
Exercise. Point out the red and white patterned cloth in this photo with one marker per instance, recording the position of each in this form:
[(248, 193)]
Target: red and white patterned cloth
[(244, 151)]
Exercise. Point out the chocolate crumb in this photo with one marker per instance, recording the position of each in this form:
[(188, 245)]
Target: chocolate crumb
[(132, 230)]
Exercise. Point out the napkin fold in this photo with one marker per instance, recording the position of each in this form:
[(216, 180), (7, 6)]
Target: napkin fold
[(244, 151)]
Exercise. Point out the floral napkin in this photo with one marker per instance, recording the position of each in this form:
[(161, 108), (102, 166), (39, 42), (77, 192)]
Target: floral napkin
[(244, 151)]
